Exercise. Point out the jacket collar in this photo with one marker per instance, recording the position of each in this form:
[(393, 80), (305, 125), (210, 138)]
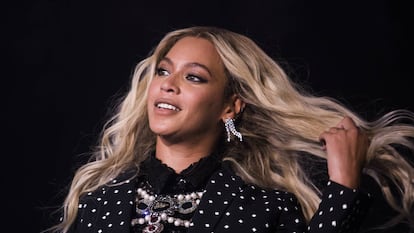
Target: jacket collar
[(162, 178)]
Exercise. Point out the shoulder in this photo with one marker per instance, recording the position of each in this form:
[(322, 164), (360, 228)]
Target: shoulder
[(248, 191), (123, 184), (109, 205), (247, 206), (282, 200)]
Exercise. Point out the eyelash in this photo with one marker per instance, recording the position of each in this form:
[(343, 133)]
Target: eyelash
[(190, 77)]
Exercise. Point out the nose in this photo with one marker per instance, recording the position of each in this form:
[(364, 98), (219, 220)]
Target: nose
[(171, 84)]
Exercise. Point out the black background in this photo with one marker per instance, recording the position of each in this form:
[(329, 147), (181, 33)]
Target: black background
[(66, 62)]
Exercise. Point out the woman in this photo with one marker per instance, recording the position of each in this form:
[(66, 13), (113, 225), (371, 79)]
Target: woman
[(213, 137)]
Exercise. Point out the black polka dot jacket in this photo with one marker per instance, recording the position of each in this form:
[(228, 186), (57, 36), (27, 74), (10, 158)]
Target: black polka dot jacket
[(229, 205)]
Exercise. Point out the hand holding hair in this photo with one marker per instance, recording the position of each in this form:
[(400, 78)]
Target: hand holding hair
[(346, 146)]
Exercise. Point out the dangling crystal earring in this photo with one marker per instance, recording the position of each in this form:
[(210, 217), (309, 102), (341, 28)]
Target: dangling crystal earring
[(231, 129)]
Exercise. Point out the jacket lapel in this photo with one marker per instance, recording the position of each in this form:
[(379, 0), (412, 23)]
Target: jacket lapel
[(221, 190)]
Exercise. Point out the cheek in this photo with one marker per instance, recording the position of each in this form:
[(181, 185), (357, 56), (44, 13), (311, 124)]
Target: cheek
[(151, 90), (211, 103)]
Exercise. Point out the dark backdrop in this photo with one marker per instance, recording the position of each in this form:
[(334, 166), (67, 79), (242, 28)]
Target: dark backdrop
[(66, 62)]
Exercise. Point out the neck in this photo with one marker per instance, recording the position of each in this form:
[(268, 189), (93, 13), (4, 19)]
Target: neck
[(180, 156)]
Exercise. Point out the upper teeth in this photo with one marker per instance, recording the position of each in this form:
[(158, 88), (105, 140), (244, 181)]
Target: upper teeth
[(167, 106)]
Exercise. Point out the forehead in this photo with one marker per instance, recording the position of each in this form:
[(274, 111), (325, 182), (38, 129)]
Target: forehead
[(195, 49)]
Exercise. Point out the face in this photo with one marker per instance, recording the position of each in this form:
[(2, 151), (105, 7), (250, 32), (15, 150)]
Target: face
[(186, 97)]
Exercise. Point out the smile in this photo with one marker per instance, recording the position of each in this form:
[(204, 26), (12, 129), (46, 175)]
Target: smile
[(167, 106)]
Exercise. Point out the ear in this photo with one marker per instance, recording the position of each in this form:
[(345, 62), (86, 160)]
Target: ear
[(233, 107)]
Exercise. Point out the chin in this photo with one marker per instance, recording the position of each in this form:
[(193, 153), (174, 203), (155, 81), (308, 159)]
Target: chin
[(160, 131)]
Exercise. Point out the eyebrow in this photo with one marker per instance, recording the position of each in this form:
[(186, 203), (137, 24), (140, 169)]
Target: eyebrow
[(191, 64)]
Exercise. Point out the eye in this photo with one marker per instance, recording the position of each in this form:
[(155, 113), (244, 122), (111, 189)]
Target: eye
[(161, 72), (194, 78)]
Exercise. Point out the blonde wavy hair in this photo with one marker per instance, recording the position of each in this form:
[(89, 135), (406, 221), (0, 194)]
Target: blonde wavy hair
[(281, 124)]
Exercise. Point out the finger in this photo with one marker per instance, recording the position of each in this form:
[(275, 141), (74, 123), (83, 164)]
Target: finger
[(335, 129), (347, 123)]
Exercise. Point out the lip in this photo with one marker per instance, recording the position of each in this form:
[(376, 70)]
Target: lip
[(169, 105)]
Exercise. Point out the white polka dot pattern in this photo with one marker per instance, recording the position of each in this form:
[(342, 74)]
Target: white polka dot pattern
[(341, 210), (106, 210), (229, 205), (249, 209)]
